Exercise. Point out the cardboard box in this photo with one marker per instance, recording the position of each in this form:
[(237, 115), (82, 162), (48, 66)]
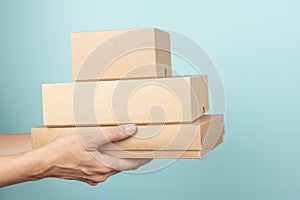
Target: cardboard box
[(139, 101), (120, 54), (199, 135), (163, 154)]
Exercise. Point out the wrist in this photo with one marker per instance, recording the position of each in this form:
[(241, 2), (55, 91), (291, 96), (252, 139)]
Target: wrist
[(23, 167), (40, 163)]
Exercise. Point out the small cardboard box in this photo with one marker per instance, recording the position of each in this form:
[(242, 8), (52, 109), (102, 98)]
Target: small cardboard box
[(199, 135), (139, 101), (120, 54)]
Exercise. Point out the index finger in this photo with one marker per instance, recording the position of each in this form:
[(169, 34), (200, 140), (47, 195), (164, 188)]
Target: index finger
[(118, 163)]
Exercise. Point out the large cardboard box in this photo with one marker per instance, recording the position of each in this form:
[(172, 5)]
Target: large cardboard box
[(202, 135), (163, 154), (120, 54), (139, 101)]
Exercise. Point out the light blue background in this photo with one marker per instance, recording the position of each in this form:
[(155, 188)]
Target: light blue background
[(255, 45)]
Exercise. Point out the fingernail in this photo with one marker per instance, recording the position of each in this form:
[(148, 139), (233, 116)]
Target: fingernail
[(129, 129)]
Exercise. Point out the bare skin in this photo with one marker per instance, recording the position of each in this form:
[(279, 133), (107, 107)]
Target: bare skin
[(14, 143), (65, 157)]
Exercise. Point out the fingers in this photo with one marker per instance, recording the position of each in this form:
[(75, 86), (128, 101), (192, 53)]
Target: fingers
[(99, 178), (120, 164), (119, 132), (93, 179), (93, 140)]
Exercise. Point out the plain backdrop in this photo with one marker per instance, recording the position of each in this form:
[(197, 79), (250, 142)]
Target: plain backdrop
[(255, 46)]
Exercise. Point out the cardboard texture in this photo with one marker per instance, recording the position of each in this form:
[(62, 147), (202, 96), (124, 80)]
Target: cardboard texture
[(195, 136), (163, 154), (120, 54), (155, 154), (139, 101), (169, 112)]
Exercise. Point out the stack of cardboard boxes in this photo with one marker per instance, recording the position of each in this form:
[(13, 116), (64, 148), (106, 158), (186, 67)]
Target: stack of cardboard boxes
[(124, 76)]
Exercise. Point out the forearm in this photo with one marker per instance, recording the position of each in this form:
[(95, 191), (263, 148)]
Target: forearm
[(14, 143), (67, 157), (22, 167)]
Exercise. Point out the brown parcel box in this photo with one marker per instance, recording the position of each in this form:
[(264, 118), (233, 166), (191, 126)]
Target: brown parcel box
[(163, 154), (124, 53), (199, 135), (139, 101)]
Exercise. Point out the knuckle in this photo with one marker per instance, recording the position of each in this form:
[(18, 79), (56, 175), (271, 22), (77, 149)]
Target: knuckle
[(87, 172), (105, 177), (116, 133), (113, 134), (92, 183), (99, 179)]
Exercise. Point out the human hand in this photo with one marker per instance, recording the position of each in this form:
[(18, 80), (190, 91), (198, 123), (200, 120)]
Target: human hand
[(75, 158)]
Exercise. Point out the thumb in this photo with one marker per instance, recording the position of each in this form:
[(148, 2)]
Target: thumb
[(93, 140), (117, 133)]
